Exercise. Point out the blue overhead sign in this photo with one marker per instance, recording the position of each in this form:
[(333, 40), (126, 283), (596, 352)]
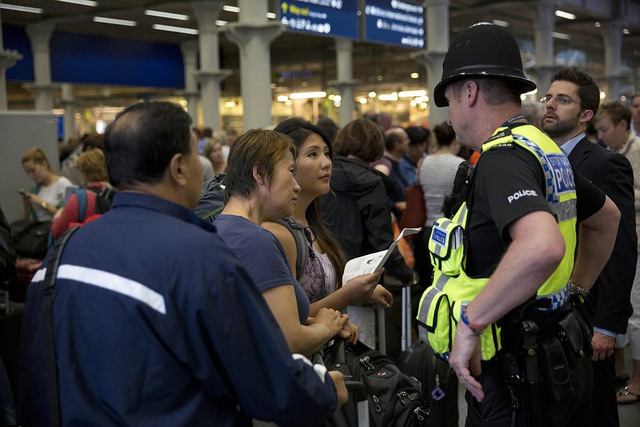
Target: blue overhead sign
[(337, 18), (394, 22)]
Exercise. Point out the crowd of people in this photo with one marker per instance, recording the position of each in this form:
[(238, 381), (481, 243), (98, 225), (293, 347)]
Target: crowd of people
[(162, 318)]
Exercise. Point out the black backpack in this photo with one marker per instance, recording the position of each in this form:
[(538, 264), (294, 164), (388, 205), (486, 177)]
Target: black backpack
[(213, 200), (394, 397), (104, 200)]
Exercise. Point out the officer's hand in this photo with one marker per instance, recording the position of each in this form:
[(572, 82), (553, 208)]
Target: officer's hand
[(341, 389), (602, 346), (465, 360)]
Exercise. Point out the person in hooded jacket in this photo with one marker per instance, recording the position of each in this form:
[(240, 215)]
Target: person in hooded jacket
[(355, 209)]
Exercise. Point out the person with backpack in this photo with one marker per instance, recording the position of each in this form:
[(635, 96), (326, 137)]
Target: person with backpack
[(87, 204), (321, 273)]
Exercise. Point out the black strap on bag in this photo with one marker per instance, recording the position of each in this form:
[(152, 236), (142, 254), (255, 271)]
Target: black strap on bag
[(47, 316)]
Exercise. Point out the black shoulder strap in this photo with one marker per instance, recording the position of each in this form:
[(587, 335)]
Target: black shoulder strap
[(47, 316), (302, 237)]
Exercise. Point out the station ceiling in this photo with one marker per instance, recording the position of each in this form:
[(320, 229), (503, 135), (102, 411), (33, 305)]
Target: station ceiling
[(377, 67)]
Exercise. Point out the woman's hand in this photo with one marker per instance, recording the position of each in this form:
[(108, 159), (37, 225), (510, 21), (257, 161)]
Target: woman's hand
[(381, 296), (350, 333), (332, 319), (35, 200), (361, 287), (26, 198)]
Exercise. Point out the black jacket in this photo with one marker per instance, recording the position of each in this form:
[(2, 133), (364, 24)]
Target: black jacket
[(357, 213), (613, 174)]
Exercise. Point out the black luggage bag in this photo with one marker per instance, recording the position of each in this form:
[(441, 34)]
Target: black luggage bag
[(439, 382)]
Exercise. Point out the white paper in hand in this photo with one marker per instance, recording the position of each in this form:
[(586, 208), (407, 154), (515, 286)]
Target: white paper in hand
[(372, 262)]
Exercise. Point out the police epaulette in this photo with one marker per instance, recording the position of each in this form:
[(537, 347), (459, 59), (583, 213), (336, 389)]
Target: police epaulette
[(504, 145), (503, 133)]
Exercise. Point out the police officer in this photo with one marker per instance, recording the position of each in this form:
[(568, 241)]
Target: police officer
[(519, 243)]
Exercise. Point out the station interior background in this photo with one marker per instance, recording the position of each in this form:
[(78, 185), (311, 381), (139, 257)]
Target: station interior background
[(303, 62)]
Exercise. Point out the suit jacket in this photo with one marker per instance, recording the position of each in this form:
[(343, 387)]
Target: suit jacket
[(612, 173)]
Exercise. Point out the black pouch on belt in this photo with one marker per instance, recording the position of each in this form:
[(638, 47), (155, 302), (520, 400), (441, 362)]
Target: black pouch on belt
[(556, 369), (572, 335)]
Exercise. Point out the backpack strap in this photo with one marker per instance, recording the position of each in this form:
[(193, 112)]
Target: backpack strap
[(47, 316), (304, 250), (81, 194)]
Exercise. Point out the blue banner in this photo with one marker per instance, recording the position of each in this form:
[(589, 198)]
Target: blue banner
[(80, 58), (394, 22), (335, 18)]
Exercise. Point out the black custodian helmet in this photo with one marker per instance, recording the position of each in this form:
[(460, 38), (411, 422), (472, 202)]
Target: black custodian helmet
[(483, 49)]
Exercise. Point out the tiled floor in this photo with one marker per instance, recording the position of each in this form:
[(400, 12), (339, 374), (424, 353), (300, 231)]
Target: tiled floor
[(629, 414)]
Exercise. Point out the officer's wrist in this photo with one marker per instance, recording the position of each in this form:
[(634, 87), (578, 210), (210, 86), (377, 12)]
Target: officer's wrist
[(575, 289), (475, 328)]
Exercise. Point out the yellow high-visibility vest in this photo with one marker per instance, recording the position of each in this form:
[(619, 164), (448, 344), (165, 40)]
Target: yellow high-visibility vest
[(452, 288)]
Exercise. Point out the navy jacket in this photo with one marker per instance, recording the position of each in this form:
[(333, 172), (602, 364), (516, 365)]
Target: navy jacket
[(156, 323)]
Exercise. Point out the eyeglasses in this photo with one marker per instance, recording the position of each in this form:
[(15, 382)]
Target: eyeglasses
[(560, 99)]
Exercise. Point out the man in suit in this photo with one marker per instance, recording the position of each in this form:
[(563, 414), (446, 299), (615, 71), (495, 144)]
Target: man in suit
[(570, 103)]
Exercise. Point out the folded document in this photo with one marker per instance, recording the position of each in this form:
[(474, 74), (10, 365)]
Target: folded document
[(372, 262)]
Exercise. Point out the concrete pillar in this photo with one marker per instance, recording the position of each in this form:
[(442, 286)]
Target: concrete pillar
[(253, 34), (69, 104), (189, 50), (8, 59), (544, 23), (210, 75), (345, 82), (612, 34), (40, 35), (432, 58)]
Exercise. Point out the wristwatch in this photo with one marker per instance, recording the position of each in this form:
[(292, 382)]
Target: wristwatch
[(45, 206), (575, 289)]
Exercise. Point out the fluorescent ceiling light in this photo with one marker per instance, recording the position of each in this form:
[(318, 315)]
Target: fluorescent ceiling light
[(565, 15), (388, 96), (221, 23), (173, 29), (626, 31), (562, 36), (105, 20), (411, 93), (414, 75), (167, 15), (282, 98), (20, 8), (307, 95), (500, 23), (236, 9), (81, 2)]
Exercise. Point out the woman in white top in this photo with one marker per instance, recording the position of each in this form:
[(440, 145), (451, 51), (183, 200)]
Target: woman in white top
[(43, 200), (438, 172)]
